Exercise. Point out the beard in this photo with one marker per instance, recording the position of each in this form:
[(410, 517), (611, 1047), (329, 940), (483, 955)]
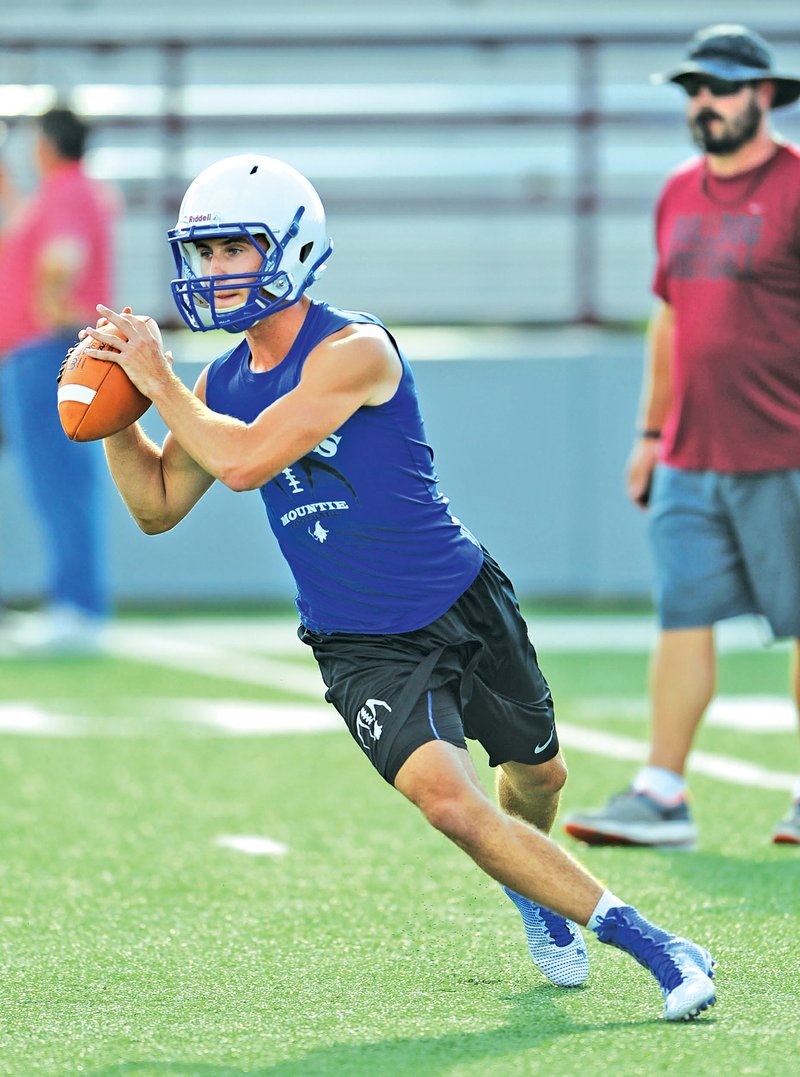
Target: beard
[(737, 131)]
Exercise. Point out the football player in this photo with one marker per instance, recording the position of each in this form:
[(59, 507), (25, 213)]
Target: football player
[(415, 627)]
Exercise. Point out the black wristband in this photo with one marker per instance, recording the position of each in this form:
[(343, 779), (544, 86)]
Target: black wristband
[(650, 434)]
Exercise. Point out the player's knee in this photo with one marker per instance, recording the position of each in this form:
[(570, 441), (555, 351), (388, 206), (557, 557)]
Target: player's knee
[(549, 777), (553, 776), (457, 814)]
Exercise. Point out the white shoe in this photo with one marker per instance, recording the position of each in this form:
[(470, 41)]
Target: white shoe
[(555, 944), (58, 631)]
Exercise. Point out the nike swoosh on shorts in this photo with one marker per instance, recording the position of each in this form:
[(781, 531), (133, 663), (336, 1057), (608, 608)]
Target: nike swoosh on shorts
[(541, 747)]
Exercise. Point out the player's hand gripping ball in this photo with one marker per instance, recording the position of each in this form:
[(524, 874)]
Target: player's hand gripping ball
[(96, 398)]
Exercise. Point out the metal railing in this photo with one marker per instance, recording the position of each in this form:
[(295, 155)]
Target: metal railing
[(584, 198)]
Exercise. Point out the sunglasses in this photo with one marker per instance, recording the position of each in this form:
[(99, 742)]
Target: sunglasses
[(693, 84)]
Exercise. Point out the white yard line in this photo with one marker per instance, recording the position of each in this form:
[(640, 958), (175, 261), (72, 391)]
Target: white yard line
[(252, 844), (232, 649), (723, 768), (28, 719), (147, 718), (237, 718), (177, 650), (247, 718), (746, 714)]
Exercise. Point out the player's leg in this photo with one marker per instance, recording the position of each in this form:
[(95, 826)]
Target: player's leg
[(438, 779), (556, 945), (532, 792), (700, 579), (509, 710)]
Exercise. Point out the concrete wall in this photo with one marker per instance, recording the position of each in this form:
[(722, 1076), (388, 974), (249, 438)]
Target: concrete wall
[(530, 431)]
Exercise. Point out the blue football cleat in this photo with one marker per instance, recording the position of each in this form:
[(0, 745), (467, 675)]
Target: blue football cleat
[(683, 969)]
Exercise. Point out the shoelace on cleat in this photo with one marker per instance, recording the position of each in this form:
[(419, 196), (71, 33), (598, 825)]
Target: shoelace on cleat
[(556, 926), (539, 919), (649, 952)]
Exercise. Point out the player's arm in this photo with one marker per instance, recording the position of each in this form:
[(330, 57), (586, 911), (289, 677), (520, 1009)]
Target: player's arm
[(656, 400), (357, 366), (158, 485)]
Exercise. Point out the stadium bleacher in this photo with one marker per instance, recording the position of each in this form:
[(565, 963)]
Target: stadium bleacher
[(482, 162)]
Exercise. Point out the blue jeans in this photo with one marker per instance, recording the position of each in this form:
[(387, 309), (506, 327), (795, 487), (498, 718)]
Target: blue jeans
[(65, 480)]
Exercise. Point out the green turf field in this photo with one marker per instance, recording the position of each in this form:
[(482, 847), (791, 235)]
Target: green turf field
[(137, 940)]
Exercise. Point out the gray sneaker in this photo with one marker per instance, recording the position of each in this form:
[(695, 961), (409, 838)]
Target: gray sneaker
[(787, 832), (632, 818)]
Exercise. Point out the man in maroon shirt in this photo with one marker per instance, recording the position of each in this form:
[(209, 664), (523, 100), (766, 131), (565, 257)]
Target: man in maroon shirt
[(717, 454)]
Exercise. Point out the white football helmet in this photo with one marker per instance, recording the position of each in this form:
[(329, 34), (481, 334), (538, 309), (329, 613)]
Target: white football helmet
[(272, 206)]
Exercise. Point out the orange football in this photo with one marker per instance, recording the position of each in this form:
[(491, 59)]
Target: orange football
[(96, 398)]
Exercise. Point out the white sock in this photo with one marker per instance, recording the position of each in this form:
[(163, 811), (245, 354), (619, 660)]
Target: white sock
[(607, 901), (796, 792), (665, 785)]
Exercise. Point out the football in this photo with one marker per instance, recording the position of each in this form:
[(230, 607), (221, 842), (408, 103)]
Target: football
[(96, 398)]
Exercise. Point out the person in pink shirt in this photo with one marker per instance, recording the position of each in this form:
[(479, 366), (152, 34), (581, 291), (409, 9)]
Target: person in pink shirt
[(55, 265), (719, 429)]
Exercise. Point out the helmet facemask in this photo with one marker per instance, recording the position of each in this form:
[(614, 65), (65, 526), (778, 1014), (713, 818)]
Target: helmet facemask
[(293, 250)]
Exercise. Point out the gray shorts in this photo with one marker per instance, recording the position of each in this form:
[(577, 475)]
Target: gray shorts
[(724, 545)]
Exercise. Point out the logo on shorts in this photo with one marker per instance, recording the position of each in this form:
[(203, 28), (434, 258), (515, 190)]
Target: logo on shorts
[(367, 724), (541, 747)]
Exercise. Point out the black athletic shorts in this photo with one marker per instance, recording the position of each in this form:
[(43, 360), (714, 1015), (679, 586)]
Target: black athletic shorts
[(471, 673)]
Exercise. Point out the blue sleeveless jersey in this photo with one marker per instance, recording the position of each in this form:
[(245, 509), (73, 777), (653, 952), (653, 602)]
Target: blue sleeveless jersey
[(360, 520)]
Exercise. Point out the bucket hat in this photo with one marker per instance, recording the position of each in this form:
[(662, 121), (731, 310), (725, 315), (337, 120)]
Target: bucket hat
[(732, 52)]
